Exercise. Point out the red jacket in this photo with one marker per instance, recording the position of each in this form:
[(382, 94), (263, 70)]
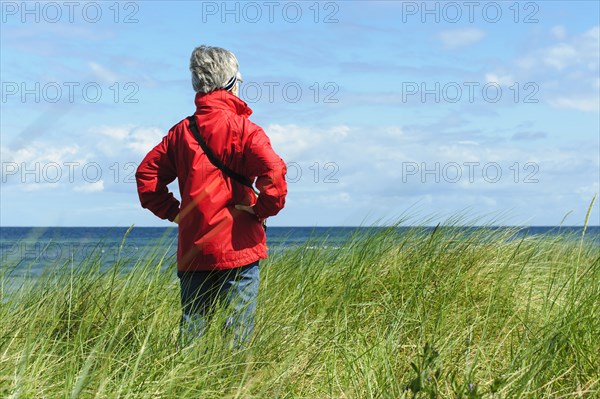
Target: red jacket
[(212, 233)]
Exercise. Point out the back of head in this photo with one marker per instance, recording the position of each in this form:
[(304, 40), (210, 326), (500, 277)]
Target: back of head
[(212, 68)]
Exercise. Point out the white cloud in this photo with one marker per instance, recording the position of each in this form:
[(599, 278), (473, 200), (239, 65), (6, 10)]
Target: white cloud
[(114, 132), (578, 51), (103, 73), (587, 192), (40, 186), (126, 138), (92, 187), (142, 140), (504, 80), (559, 32), (293, 141), (565, 74), (591, 104), (104, 151), (456, 38), (394, 131), (340, 131), (593, 34), (560, 56), (38, 152)]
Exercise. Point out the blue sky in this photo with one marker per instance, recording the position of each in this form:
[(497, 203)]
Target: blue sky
[(380, 109)]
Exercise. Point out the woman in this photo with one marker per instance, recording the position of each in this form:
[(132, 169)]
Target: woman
[(221, 236)]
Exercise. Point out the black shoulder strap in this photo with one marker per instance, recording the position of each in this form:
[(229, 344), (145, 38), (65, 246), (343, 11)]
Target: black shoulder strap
[(213, 159)]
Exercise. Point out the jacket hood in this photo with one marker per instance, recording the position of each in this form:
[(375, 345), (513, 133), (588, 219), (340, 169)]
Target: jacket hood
[(221, 99)]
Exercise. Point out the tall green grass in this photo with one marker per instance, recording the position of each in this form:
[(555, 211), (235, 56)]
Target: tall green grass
[(450, 314)]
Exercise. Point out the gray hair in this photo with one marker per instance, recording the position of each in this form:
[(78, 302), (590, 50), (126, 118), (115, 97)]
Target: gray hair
[(212, 68)]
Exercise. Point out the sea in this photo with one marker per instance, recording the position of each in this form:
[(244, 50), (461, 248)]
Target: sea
[(31, 250)]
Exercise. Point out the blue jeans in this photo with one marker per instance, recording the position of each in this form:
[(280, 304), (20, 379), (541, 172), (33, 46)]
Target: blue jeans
[(201, 291)]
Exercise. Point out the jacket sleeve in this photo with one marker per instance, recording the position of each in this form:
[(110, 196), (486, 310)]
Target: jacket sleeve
[(262, 161), (152, 176)]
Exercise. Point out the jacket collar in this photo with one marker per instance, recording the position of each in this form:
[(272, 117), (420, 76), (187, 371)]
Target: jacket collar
[(221, 99)]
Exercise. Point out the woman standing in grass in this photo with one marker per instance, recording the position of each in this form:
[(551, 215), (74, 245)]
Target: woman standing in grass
[(221, 235)]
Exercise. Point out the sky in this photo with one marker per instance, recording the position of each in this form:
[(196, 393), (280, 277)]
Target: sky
[(383, 111)]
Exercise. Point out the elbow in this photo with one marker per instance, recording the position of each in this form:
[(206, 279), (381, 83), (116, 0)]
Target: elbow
[(272, 196)]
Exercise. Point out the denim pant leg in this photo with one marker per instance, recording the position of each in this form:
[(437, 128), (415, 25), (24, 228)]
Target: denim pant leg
[(236, 288), (199, 293), (240, 290)]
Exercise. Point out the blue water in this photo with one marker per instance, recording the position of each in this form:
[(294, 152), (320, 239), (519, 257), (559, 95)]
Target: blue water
[(34, 248)]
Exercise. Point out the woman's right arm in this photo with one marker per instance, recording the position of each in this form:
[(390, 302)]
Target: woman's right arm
[(153, 175)]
